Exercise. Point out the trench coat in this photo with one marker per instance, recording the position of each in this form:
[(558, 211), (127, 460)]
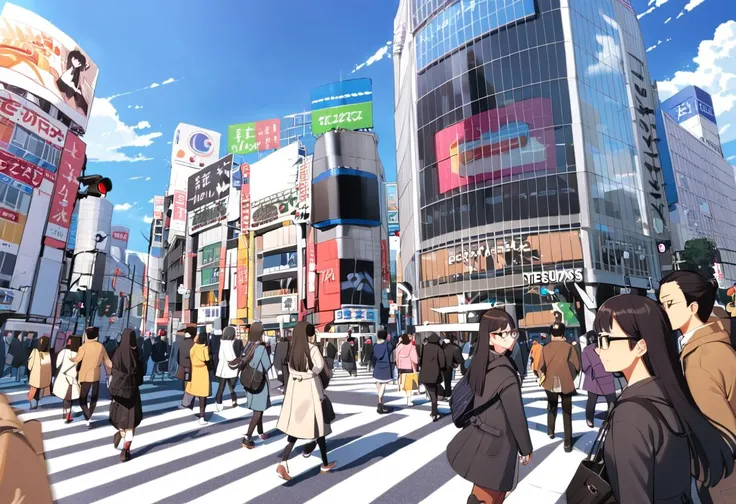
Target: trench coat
[(260, 401), (301, 413), (227, 354), (645, 461), (560, 365), (39, 364), (126, 414), (486, 451), (66, 377), (199, 386)]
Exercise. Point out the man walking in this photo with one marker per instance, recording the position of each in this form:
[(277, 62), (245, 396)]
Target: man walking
[(453, 357), (560, 364), (91, 355)]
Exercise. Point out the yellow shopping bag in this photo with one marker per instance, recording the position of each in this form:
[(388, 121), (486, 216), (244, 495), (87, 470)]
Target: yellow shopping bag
[(410, 382)]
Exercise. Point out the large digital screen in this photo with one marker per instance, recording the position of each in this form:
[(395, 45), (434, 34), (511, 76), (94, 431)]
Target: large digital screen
[(345, 196), (356, 282), (344, 105), (514, 139)]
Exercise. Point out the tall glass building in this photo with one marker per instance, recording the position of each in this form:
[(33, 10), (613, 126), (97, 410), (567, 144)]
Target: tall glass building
[(526, 157)]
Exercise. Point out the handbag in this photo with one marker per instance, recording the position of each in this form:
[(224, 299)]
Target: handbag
[(328, 412), (590, 484)]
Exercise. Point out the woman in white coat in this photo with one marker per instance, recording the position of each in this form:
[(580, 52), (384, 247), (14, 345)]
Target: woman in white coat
[(301, 414), (224, 372), (66, 385)]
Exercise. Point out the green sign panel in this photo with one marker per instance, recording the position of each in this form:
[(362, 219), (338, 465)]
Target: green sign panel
[(350, 117), (241, 138)]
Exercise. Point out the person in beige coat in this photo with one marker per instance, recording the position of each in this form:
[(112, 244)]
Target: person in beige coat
[(91, 355), (39, 367), (707, 357), (301, 413)]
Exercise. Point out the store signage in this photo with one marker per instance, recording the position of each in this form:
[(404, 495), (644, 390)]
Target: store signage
[(245, 198), (65, 192), (288, 304), (179, 214), (385, 272), (31, 117), (8, 215), (23, 171), (311, 268), (120, 235), (355, 314), (512, 245), (327, 275), (250, 137), (209, 185), (209, 314), (344, 105), (304, 189), (646, 119), (553, 276), (278, 207), (206, 217)]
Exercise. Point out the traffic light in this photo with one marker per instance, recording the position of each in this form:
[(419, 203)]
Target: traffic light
[(97, 186)]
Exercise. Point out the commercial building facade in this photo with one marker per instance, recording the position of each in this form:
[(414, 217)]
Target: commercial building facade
[(523, 177)]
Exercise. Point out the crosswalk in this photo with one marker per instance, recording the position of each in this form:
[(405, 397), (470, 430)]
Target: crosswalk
[(396, 457)]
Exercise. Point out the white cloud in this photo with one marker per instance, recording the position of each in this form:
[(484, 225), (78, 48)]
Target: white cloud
[(729, 158), (154, 85), (724, 129), (168, 81), (648, 11), (107, 134), (653, 4), (148, 219), (150, 200), (668, 20), (148, 178), (168, 143), (682, 13), (381, 53), (139, 177), (142, 125), (659, 43), (689, 7), (122, 207), (138, 107), (715, 72)]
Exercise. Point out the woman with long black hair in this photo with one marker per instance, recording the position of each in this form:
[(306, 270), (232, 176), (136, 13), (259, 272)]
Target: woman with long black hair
[(70, 82), (657, 437), (126, 410), (488, 449), (256, 355), (301, 414)]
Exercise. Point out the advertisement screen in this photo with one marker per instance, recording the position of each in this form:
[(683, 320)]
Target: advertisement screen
[(344, 196), (345, 105), (518, 138), (356, 282), (250, 137), (65, 192), (45, 61), (210, 184), (242, 272), (392, 204), (275, 173), (194, 147)]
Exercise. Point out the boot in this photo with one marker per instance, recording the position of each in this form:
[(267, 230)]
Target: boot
[(248, 443), (125, 454), (116, 439), (474, 500)]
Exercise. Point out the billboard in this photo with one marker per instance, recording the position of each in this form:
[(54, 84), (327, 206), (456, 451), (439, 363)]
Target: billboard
[(344, 105), (194, 147), (120, 234), (250, 137), (210, 185), (45, 61), (356, 282), (273, 187), (65, 192), (30, 116), (304, 190), (23, 171), (244, 197), (689, 102), (392, 205), (242, 272), (158, 207), (179, 213), (518, 138), (345, 196)]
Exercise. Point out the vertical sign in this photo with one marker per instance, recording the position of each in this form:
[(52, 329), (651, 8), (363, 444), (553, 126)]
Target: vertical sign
[(304, 188), (385, 273), (179, 215), (65, 192), (268, 134), (223, 270), (311, 269), (242, 307), (245, 198)]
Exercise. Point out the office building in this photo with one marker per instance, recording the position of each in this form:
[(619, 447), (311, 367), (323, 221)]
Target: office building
[(524, 142)]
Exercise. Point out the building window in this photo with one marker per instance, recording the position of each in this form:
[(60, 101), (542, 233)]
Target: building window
[(209, 254), (35, 149), (7, 266)]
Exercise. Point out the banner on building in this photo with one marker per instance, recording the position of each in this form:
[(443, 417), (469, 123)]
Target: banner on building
[(194, 147), (31, 117), (158, 207), (46, 62), (304, 190), (311, 268), (179, 213), (207, 194), (65, 192), (223, 271), (385, 272), (24, 171), (245, 198), (250, 137), (392, 206), (344, 105), (242, 306)]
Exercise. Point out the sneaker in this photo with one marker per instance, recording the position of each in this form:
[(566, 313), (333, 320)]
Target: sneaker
[(88, 423), (309, 449), (283, 472), (327, 468), (219, 406), (202, 421)]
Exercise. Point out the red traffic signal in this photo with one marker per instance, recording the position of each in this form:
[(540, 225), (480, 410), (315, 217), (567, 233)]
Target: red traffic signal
[(97, 186)]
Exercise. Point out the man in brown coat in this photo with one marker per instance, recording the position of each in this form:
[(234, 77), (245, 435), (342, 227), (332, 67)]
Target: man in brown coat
[(560, 364), (91, 355)]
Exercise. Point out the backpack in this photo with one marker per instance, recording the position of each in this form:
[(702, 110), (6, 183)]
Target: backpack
[(251, 378)]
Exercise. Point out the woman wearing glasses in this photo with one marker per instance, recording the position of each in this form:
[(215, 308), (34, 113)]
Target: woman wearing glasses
[(657, 437), (488, 449)]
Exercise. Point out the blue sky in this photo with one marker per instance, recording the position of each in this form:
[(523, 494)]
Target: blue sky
[(245, 60)]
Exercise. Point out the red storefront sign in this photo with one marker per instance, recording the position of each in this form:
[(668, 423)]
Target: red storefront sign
[(26, 172), (385, 272), (242, 270), (223, 269), (304, 188), (8, 215), (120, 235), (268, 134), (32, 118), (65, 191), (179, 214), (327, 276), (245, 198)]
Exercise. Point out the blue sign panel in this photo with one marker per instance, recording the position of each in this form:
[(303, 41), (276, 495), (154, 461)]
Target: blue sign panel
[(668, 174), (688, 103), (337, 94), (464, 21)]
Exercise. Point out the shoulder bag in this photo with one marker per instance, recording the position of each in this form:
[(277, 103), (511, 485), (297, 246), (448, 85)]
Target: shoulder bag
[(252, 378), (462, 402)]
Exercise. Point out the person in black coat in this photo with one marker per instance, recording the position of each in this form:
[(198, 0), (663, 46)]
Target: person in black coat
[(454, 359), (281, 361), (15, 350), (147, 350), (184, 370), (126, 411), (330, 354), (347, 356), (214, 345), (496, 438), (160, 355), (431, 365), (29, 343), (368, 354)]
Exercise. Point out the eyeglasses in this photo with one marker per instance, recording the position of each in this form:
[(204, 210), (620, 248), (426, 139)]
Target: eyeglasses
[(604, 340), (507, 334)]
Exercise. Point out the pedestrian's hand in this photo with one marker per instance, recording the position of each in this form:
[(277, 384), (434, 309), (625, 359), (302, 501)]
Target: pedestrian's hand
[(525, 459)]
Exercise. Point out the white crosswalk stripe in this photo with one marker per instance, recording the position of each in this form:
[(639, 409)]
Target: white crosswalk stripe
[(177, 460)]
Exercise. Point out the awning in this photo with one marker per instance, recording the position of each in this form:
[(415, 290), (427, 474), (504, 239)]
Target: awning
[(466, 308), (438, 328)]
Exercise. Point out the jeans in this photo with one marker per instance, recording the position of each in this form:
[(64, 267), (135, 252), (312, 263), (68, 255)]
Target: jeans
[(552, 400), (447, 376)]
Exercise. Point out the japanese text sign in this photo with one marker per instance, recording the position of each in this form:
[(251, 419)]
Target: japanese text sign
[(241, 138), (304, 188), (23, 171), (245, 198), (31, 117), (65, 191), (8, 215), (209, 185), (268, 134)]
